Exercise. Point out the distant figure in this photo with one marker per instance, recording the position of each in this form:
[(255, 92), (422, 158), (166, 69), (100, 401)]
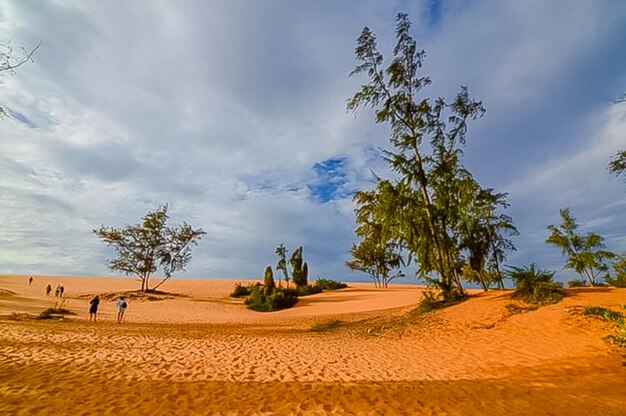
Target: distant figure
[(57, 291), (93, 308), (61, 290), (48, 289), (30, 280), (121, 309)]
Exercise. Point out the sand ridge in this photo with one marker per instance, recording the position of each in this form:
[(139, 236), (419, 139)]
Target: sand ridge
[(380, 350)]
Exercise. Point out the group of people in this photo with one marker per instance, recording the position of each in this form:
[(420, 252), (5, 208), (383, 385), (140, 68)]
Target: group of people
[(58, 292), (95, 302)]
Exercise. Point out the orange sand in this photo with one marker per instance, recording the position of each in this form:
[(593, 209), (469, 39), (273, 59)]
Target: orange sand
[(205, 354)]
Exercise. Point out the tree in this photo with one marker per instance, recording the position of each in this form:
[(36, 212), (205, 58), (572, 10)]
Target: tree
[(618, 163), (484, 236), (423, 208), (377, 254), (585, 254), (281, 251), (299, 268), (268, 280), (12, 58), (142, 248)]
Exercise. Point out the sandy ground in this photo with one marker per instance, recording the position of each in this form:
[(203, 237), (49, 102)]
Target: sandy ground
[(202, 353)]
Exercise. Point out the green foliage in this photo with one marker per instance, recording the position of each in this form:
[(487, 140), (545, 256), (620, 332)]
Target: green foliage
[(299, 268), (604, 313), (619, 267), (618, 338), (268, 279), (142, 248), (267, 302), (432, 300), (308, 290), (374, 255), (514, 309), (329, 284), (576, 283), (618, 163), (242, 290), (585, 254), (434, 211), (281, 252), (535, 285)]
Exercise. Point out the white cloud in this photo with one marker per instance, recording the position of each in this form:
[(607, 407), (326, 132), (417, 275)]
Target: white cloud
[(222, 110)]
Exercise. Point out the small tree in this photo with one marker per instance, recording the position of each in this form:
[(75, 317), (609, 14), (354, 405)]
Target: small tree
[(377, 255), (535, 285), (585, 254), (142, 248), (268, 280), (300, 270), (281, 251)]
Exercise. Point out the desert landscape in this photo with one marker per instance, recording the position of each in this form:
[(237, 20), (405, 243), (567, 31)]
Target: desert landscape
[(193, 350)]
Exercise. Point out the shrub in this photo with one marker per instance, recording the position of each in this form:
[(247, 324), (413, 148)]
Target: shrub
[(619, 281), (605, 313), (576, 283), (241, 290), (619, 337), (535, 285), (328, 284), (268, 279), (267, 302), (50, 312), (308, 290), (431, 301)]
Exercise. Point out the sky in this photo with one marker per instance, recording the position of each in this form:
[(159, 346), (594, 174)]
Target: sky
[(234, 114)]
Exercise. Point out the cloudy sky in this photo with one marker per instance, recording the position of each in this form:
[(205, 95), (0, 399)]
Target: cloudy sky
[(234, 113)]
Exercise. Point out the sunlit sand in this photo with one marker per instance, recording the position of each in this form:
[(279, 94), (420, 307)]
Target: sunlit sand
[(355, 351)]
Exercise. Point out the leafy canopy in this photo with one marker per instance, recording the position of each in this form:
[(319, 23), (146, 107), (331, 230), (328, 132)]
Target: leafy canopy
[(424, 210), (142, 248), (585, 253)]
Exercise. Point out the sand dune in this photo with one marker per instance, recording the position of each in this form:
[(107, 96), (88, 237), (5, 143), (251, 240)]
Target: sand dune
[(201, 352)]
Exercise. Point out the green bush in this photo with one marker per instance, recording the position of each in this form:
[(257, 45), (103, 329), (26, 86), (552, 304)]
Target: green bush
[(605, 313), (619, 281), (328, 284), (241, 290), (535, 285), (267, 302), (431, 300), (308, 290), (576, 283), (619, 337)]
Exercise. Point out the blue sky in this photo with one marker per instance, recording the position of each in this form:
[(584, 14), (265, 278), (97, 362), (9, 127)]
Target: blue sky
[(234, 114)]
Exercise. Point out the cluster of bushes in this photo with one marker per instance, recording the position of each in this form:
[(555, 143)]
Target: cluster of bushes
[(619, 337), (267, 297), (535, 285)]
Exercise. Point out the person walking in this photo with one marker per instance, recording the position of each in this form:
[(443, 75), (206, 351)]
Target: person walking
[(93, 308), (57, 291), (121, 309), (30, 281), (48, 289)]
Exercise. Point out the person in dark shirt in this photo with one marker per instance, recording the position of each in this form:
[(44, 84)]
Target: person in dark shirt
[(93, 308)]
